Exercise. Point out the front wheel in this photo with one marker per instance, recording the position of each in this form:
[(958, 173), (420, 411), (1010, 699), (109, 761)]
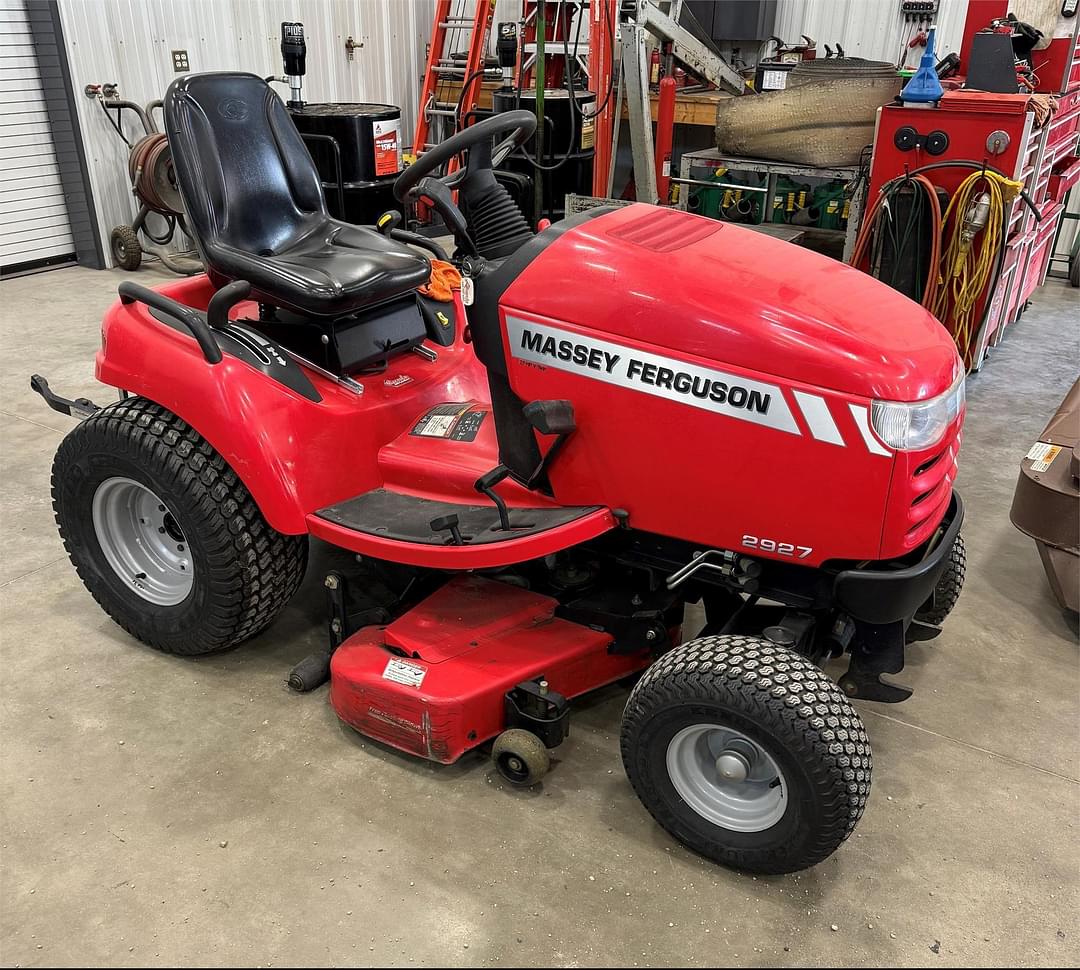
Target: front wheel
[(948, 587), (164, 534), (747, 753)]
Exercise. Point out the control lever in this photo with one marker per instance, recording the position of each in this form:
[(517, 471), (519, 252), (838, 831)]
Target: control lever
[(217, 313), (549, 418), (389, 225), (441, 199), (486, 485), (448, 523)]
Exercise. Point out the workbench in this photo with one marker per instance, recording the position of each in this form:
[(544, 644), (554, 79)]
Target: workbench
[(712, 158), (691, 108)]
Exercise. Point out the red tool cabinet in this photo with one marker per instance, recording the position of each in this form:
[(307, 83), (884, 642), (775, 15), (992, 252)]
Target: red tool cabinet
[(1043, 158)]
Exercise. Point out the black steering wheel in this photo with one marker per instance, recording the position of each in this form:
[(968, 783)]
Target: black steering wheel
[(407, 185)]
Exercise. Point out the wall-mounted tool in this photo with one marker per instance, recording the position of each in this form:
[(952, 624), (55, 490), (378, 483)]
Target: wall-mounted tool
[(294, 53), (918, 9), (506, 48), (805, 51)]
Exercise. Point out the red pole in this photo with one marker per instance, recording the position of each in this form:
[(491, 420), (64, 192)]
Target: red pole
[(665, 134), (603, 24)]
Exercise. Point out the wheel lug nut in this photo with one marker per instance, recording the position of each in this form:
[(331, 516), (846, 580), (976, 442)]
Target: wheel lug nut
[(161, 529)]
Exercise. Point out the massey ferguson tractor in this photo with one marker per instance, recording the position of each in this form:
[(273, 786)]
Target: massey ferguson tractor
[(632, 410)]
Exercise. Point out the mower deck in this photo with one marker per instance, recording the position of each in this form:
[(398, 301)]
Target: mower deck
[(434, 682)]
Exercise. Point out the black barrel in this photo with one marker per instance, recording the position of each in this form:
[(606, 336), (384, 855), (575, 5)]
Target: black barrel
[(367, 138), (576, 173)]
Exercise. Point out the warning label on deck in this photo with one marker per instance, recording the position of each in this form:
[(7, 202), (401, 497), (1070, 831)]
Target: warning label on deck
[(1041, 454), (457, 421), (403, 672)]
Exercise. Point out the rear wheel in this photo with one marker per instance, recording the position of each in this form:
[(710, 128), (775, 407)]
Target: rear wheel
[(747, 753), (164, 534), (948, 587)]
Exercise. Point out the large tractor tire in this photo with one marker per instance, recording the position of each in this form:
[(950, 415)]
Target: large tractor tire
[(747, 753), (164, 534), (948, 587)]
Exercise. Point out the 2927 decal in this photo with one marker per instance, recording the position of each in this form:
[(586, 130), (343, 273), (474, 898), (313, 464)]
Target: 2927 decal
[(779, 548)]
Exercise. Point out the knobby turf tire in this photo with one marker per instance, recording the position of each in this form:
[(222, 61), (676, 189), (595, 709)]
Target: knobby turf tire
[(788, 706), (244, 570), (948, 587), (126, 249)]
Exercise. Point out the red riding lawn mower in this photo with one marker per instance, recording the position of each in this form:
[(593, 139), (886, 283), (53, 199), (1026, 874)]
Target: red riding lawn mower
[(633, 410)]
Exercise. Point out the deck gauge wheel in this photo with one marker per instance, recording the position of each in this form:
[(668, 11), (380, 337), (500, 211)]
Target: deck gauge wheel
[(520, 757)]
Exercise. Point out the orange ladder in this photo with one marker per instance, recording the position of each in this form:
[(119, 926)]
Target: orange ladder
[(442, 69)]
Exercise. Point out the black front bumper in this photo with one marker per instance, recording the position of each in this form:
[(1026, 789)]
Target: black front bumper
[(882, 596)]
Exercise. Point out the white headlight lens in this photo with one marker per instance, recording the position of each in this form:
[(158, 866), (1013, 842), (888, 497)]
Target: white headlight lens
[(913, 427)]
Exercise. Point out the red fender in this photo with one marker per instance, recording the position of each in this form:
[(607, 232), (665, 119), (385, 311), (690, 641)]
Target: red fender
[(286, 449)]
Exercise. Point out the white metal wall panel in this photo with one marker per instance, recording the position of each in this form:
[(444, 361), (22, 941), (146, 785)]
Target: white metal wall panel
[(873, 29), (33, 215), (131, 42)]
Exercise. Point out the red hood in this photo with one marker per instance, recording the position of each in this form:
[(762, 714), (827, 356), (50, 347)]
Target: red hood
[(686, 283)]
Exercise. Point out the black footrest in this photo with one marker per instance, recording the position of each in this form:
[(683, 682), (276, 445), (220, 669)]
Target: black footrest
[(407, 518)]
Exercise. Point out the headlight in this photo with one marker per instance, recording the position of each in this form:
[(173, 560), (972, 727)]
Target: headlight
[(914, 427)]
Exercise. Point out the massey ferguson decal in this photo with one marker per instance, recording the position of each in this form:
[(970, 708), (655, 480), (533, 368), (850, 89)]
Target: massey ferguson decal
[(676, 380)]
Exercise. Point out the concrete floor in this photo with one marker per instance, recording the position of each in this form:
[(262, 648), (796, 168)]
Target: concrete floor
[(175, 812)]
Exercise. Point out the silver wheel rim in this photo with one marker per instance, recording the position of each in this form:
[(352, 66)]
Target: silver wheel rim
[(142, 541), (727, 778)]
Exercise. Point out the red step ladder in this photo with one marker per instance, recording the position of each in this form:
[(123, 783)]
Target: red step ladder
[(451, 27)]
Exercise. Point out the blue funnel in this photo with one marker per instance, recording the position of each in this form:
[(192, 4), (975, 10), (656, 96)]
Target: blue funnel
[(924, 85)]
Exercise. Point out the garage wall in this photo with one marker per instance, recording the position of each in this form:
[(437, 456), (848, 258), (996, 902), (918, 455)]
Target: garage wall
[(34, 224), (867, 28), (130, 42)]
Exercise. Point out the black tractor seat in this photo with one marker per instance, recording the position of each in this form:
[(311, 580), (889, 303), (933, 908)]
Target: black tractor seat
[(256, 210)]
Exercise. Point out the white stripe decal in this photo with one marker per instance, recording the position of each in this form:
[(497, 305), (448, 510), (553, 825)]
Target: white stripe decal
[(818, 417), (639, 370), (862, 421)]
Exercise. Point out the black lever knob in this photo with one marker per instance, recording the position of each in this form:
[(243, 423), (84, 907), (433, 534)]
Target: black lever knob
[(448, 523)]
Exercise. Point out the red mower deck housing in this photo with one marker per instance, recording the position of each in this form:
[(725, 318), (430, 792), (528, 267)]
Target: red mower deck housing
[(433, 682)]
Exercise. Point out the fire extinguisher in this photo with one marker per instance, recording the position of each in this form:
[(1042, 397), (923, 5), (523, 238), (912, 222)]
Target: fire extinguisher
[(654, 67)]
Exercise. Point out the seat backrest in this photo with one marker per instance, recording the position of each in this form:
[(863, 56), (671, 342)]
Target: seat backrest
[(246, 177)]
